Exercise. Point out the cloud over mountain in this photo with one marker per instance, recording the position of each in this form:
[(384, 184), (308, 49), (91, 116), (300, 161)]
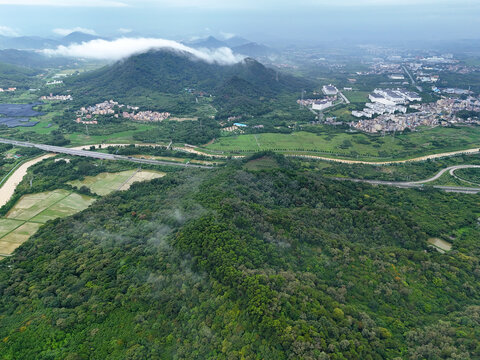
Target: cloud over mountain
[(65, 32), (124, 47), (7, 31)]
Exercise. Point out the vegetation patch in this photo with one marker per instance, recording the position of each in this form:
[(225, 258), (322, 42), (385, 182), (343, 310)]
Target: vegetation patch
[(32, 210), (105, 183), (439, 244), (263, 163), (338, 143)]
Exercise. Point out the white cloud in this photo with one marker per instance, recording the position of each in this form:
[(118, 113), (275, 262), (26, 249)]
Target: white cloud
[(63, 3), (125, 47), (124, 31), (65, 32), (227, 35), (7, 31)]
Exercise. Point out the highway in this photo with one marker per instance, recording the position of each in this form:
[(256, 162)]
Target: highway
[(419, 184), (97, 155)]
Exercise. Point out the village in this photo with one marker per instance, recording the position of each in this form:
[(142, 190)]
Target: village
[(112, 108), (52, 97)]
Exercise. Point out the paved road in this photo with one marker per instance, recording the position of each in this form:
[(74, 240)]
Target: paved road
[(392, 162), (451, 169), (97, 155), (344, 98), (419, 88), (419, 184), (452, 173)]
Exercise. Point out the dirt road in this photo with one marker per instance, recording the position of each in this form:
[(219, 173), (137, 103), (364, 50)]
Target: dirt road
[(8, 188)]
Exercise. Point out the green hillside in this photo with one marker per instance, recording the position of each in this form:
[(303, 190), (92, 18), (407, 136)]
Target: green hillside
[(16, 76), (171, 72), (239, 263)]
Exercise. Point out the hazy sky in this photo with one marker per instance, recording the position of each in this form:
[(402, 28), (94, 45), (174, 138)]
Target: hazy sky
[(262, 20)]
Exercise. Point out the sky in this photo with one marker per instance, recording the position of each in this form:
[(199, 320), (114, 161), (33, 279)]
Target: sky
[(269, 21)]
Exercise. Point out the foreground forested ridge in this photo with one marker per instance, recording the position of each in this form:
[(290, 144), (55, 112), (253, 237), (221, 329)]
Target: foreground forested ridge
[(240, 263)]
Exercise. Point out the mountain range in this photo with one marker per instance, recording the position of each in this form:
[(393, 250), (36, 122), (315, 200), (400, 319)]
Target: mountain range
[(238, 45), (39, 43), (32, 59)]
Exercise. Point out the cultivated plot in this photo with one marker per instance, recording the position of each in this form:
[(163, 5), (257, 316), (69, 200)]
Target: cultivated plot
[(105, 183), (31, 211)]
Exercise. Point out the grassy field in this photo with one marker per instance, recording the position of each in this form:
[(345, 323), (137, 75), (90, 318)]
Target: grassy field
[(357, 96), (45, 125), (105, 183), (120, 137), (354, 145), (31, 211), (264, 163)]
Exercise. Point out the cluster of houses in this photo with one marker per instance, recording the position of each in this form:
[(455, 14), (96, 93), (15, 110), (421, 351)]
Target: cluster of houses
[(54, 82), (146, 116), (52, 97), (112, 108), (387, 101), (12, 89), (440, 113)]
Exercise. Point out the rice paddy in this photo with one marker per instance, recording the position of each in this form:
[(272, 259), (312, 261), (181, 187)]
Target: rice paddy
[(32, 211)]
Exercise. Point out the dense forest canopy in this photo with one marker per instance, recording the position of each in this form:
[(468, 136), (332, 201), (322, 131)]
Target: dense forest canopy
[(259, 259)]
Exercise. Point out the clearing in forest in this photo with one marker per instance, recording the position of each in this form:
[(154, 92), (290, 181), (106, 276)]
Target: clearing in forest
[(105, 183), (31, 211)]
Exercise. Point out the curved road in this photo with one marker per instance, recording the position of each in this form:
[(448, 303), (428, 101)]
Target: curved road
[(451, 169), (419, 184)]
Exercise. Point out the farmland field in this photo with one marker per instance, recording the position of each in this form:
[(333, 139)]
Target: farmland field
[(31, 211), (105, 183)]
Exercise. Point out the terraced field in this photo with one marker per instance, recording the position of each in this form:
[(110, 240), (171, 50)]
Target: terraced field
[(32, 211)]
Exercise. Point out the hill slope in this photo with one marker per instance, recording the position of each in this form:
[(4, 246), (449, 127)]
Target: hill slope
[(78, 37), (27, 43), (240, 263), (15, 76), (31, 59), (171, 72)]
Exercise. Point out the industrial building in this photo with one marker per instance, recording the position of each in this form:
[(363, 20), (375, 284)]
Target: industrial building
[(329, 90), (322, 105)]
